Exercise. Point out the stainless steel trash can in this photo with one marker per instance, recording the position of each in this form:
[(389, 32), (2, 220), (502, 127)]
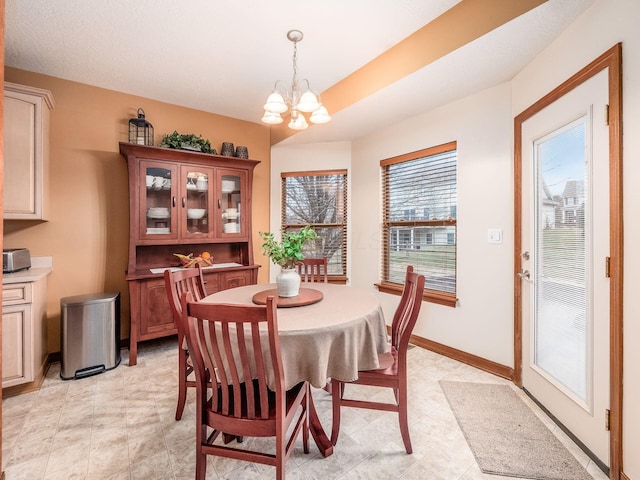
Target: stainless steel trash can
[(89, 334)]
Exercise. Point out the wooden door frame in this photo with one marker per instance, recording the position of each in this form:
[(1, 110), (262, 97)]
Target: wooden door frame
[(611, 59), (2, 18)]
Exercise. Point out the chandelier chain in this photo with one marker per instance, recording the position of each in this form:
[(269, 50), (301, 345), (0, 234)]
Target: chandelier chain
[(295, 66)]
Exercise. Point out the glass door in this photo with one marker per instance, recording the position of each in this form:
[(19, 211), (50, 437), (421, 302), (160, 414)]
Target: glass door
[(232, 185), (196, 202), (562, 317), (157, 201), (565, 243)]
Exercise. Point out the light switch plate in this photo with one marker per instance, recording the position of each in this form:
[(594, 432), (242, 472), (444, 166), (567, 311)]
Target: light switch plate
[(494, 235)]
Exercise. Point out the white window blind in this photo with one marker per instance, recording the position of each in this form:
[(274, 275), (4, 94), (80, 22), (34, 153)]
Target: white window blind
[(318, 199), (562, 273), (420, 203)]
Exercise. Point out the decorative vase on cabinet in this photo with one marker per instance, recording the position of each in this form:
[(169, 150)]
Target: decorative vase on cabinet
[(26, 151), (181, 202)]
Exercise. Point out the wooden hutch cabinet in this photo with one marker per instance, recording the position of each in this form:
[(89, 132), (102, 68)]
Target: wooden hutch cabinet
[(184, 202)]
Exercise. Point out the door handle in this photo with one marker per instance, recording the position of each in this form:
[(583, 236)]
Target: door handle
[(524, 274)]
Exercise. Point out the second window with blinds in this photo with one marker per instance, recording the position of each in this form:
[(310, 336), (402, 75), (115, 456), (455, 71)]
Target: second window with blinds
[(319, 199), (420, 221)]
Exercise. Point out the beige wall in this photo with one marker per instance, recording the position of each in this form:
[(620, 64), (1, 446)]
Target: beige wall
[(88, 231), (481, 124)]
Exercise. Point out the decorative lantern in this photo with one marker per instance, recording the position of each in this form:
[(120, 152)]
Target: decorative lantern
[(140, 131)]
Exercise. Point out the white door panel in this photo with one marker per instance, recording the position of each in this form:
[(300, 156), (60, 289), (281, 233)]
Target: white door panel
[(565, 230)]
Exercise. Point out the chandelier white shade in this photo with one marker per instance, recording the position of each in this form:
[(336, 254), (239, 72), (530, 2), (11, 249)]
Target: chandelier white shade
[(275, 104), (296, 99), (272, 118), (298, 122), (320, 115)]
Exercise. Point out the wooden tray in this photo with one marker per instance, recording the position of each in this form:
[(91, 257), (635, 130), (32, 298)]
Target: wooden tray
[(306, 296)]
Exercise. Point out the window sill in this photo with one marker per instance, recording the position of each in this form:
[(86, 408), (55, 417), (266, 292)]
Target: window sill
[(431, 296), (337, 279)]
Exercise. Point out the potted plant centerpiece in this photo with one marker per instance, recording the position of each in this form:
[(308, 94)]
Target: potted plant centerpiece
[(287, 253)]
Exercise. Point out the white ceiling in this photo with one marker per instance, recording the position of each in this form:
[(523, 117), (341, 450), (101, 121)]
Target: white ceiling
[(225, 56)]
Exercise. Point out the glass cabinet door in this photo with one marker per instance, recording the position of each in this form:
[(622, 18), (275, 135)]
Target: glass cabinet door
[(231, 187), (157, 200), (196, 201)]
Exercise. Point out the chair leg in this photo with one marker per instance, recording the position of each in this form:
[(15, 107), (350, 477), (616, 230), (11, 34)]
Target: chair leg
[(201, 466), (404, 420), (281, 457), (337, 389), (182, 382), (201, 457)]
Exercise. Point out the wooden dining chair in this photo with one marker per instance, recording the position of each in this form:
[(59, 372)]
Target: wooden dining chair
[(393, 364), (176, 283), (313, 270), (227, 338)]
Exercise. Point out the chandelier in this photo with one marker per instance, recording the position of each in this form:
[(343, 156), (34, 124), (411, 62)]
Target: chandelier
[(299, 98)]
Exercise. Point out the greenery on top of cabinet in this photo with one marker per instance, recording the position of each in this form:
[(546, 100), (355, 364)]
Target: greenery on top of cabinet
[(187, 141)]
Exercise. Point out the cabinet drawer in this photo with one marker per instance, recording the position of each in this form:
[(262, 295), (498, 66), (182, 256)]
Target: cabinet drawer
[(16, 293), (235, 279)]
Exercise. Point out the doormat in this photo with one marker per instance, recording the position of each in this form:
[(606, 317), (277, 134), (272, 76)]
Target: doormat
[(506, 437)]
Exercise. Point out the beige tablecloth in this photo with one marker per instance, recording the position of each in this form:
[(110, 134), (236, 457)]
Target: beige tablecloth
[(334, 338)]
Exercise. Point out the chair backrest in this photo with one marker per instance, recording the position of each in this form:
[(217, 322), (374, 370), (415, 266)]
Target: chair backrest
[(181, 281), (405, 316), (227, 339), (313, 269)]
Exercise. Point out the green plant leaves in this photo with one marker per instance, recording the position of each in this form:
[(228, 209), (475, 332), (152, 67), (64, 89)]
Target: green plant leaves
[(288, 251), (187, 141)]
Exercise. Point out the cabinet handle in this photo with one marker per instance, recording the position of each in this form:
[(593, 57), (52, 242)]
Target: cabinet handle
[(219, 204), (173, 201), (184, 202)]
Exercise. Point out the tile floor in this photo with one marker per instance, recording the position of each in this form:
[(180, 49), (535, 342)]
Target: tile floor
[(120, 425)]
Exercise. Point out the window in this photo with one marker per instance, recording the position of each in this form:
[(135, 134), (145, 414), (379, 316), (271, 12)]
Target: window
[(428, 237), (319, 199), (425, 182)]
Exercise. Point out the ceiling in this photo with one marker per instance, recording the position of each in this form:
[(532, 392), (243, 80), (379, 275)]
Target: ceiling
[(225, 56)]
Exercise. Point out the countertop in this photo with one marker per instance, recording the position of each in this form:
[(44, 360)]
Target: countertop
[(40, 268)]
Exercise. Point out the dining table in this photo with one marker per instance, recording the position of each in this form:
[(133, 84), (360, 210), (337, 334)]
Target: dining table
[(327, 331)]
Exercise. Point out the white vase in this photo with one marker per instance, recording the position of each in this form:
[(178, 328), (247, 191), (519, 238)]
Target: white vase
[(288, 282)]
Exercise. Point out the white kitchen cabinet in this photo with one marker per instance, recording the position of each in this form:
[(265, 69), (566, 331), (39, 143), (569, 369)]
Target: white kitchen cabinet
[(26, 151), (24, 328)]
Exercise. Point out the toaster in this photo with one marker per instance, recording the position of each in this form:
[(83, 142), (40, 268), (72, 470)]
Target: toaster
[(15, 259)]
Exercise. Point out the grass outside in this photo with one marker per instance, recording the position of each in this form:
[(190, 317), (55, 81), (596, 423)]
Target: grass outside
[(436, 262)]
